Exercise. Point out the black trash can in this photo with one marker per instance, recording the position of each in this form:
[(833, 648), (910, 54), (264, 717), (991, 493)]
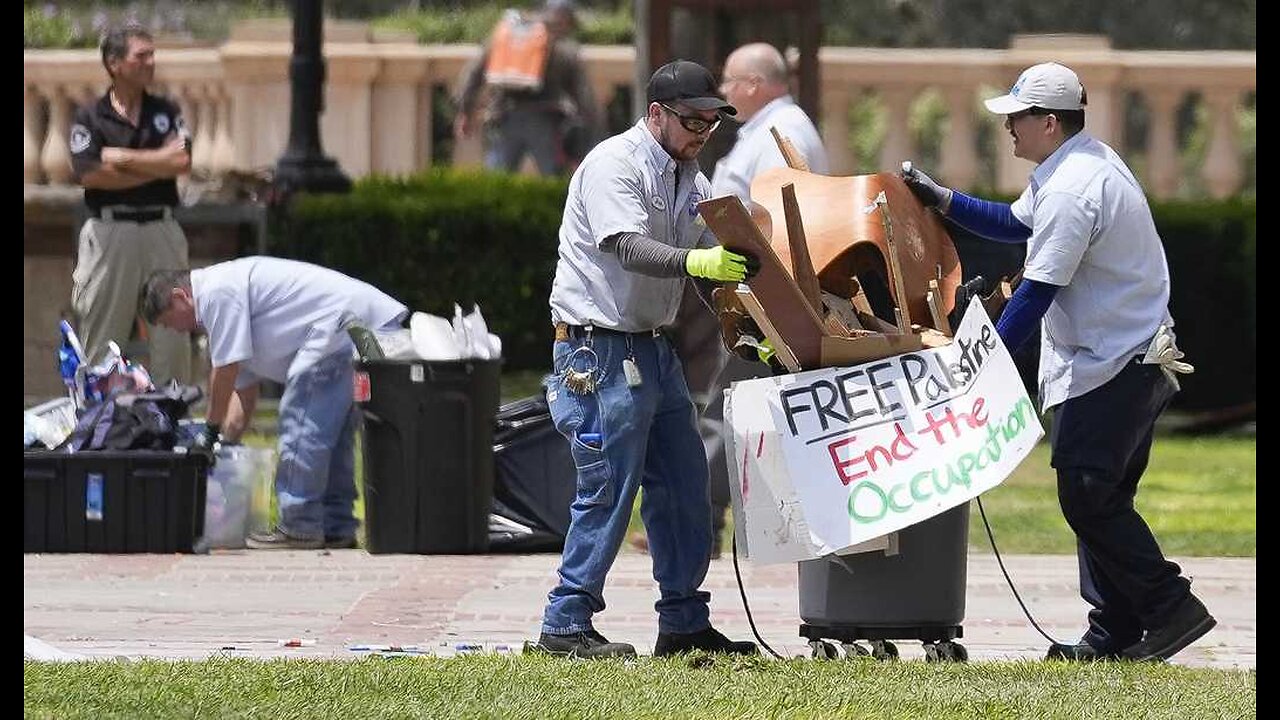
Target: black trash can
[(917, 593), (428, 454)]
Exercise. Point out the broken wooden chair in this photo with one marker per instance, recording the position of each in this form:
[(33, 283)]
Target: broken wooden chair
[(839, 235)]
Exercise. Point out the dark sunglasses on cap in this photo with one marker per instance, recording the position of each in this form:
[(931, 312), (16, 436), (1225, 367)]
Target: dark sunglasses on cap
[(693, 123)]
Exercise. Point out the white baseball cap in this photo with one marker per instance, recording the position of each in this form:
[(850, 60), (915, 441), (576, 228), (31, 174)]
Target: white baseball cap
[(1048, 85)]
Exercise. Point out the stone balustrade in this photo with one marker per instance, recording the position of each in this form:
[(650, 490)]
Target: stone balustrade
[(378, 103)]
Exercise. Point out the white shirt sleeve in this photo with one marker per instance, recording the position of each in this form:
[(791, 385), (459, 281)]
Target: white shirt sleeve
[(1021, 208), (731, 178), (1062, 229), (613, 200), (225, 318)]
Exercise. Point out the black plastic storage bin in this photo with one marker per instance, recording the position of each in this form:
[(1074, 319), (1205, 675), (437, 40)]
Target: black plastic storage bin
[(134, 501), (428, 454), (917, 593)]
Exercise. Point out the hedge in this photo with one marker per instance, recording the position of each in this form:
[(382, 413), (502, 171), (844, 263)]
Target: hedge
[(446, 236)]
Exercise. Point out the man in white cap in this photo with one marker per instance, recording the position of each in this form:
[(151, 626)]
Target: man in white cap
[(1097, 282)]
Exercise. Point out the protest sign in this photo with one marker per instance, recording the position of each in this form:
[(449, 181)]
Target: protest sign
[(841, 456)]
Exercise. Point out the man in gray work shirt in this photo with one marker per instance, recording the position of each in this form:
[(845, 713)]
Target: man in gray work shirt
[(630, 236)]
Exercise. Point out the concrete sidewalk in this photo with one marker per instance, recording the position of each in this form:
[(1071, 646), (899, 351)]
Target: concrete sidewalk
[(245, 603)]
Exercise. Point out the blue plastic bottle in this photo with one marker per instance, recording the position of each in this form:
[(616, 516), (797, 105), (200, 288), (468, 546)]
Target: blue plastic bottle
[(70, 356)]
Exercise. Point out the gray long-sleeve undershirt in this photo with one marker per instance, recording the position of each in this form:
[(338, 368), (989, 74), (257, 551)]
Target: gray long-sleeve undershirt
[(639, 254)]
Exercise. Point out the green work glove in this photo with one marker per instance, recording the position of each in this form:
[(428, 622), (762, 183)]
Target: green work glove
[(766, 351), (716, 263)]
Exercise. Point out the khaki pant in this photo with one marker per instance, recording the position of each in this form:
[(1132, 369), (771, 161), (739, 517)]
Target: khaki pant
[(114, 260)]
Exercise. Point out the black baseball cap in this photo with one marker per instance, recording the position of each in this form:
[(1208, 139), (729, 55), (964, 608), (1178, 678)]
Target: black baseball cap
[(689, 84)]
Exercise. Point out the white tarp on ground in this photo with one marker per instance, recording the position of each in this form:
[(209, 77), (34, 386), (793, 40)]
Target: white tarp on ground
[(836, 459)]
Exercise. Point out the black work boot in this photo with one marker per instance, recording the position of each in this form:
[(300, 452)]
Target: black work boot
[(709, 640), (585, 644), (1187, 623), (1080, 652)]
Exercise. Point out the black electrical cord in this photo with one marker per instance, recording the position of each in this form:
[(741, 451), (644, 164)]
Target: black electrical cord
[(994, 549), (743, 592), (1009, 580)]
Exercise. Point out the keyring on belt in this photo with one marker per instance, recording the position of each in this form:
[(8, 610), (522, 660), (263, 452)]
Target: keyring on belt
[(581, 382)]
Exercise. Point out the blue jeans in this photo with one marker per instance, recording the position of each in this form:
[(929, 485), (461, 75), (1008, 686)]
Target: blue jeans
[(648, 438), (315, 477)]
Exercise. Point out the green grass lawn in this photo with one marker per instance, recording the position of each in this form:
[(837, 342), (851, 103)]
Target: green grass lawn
[(494, 686), (1199, 495)]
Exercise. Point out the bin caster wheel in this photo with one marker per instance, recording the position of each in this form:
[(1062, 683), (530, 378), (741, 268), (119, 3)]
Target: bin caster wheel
[(945, 651), (884, 650), (823, 650), (853, 651)]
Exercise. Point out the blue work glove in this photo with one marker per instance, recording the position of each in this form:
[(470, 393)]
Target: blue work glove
[(928, 191), (717, 263)]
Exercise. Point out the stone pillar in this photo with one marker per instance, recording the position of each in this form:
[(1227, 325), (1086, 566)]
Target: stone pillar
[(959, 162), (254, 99), (395, 107), (223, 155), (32, 134), (1222, 172), (346, 119), (898, 143), (55, 158), (835, 130), (1162, 141), (204, 117)]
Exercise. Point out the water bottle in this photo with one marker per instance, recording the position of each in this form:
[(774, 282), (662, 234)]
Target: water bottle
[(70, 358)]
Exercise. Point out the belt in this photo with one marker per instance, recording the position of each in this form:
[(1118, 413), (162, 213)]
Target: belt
[(564, 331), (137, 215)]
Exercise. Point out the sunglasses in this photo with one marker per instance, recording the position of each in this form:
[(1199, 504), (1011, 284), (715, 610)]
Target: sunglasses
[(693, 123), (1014, 117)]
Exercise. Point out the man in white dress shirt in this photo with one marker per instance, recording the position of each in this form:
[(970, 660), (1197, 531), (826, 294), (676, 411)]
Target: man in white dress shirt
[(755, 79)]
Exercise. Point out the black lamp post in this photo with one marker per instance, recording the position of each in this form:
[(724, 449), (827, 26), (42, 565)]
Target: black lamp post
[(304, 166)]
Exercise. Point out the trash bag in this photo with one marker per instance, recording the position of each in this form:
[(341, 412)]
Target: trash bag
[(534, 480), (134, 421)]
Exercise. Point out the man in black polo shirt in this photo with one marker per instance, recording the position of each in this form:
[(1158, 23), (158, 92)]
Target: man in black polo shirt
[(126, 150)]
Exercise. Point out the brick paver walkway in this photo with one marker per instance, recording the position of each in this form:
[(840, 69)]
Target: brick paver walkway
[(195, 606)]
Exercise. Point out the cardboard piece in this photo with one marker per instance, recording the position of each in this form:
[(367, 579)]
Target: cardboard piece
[(790, 314)]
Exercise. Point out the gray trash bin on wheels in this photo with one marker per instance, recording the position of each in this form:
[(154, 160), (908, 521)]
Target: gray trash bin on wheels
[(916, 594), (428, 454)]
